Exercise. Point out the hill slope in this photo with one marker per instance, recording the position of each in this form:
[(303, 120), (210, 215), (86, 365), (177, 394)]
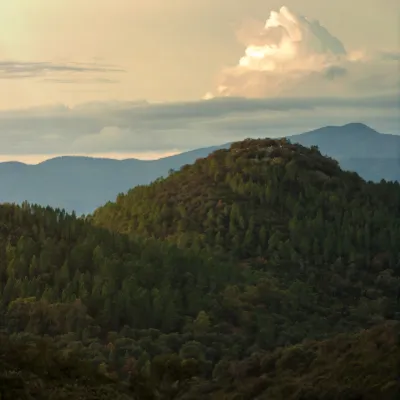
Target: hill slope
[(359, 366), (364, 366), (82, 183)]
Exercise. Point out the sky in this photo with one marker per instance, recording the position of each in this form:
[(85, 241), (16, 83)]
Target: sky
[(150, 78)]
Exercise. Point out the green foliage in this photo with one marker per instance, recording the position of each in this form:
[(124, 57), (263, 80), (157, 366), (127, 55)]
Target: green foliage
[(360, 366), (35, 369)]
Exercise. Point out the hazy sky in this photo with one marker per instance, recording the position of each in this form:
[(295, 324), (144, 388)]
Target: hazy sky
[(56, 54)]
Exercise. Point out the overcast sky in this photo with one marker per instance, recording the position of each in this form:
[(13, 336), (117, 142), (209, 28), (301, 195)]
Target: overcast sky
[(88, 77)]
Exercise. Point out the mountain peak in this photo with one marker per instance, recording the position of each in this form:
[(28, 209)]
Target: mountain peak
[(358, 126), (352, 129)]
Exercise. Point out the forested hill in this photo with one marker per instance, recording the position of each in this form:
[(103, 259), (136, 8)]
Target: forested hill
[(230, 279), (268, 199)]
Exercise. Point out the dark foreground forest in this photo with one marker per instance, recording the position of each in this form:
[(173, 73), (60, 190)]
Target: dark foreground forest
[(261, 272)]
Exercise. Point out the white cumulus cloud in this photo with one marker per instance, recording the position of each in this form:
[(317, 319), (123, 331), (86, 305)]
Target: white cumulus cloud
[(293, 55)]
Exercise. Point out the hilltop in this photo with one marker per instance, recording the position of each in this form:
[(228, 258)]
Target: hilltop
[(262, 198), (82, 184)]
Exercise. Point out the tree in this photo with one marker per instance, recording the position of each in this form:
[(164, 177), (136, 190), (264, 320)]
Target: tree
[(202, 323)]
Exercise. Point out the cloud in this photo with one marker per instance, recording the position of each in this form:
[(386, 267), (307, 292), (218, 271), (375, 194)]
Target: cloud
[(390, 55), (140, 127), (27, 69), (334, 72), (80, 81), (291, 55)]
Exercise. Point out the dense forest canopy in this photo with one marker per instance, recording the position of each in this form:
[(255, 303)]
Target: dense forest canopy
[(206, 284)]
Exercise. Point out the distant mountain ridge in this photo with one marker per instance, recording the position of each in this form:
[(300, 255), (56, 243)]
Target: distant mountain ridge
[(340, 141), (85, 183), (357, 147)]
